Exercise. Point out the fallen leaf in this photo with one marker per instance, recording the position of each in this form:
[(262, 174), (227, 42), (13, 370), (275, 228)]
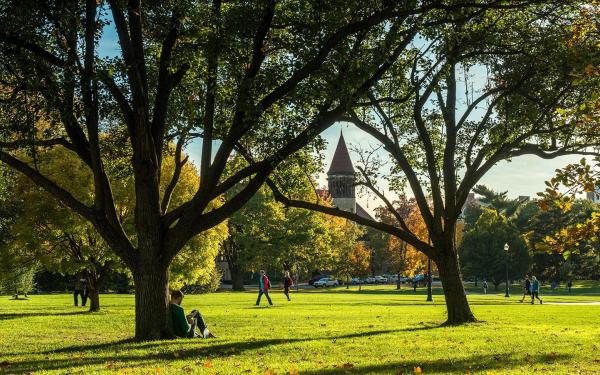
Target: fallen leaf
[(270, 372), (294, 372), (417, 370), (207, 364)]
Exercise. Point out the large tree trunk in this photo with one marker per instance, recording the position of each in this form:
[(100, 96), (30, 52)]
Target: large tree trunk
[(237, 277), (398, 282), (457, 305), (152, 317), (93, 293)]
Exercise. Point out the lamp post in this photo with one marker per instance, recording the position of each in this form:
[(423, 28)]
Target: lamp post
[(506, 247), (429, 295)]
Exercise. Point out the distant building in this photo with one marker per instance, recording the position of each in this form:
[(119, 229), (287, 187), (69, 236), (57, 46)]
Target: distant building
[(341, 181), (472, 201)]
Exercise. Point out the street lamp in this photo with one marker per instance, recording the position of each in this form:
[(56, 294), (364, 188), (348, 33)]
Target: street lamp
[(506, 247), (429, 295)]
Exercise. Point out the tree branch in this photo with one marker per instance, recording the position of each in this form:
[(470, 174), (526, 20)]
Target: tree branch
[(401, 234), (58, 192), (176, 174)]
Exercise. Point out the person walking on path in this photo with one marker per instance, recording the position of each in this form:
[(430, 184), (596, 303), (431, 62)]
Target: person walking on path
[(287, 284), (569, 285), (535, 290), (485, 286), (527, 290), (80, 288), (263, 287)]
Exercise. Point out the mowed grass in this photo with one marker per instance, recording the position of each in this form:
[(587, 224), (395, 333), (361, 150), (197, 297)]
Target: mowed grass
[(332, 331)]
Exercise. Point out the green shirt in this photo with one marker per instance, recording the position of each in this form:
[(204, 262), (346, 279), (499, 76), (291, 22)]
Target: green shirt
[(181, 327)]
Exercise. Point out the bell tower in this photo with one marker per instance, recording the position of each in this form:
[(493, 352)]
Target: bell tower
[(341, 179)]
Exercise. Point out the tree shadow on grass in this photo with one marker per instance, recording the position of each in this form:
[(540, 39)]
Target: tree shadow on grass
[(154, 352), (8, 316), (128, 344), (152, 357), (157, 351), (474, 363)]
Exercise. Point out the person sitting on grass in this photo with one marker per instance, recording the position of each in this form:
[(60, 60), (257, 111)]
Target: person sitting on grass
[(185, 325)]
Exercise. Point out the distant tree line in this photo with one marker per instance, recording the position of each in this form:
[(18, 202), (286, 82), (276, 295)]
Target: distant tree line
[(530, 228)]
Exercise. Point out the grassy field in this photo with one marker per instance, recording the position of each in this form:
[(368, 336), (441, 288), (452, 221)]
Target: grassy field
[(376, 331)]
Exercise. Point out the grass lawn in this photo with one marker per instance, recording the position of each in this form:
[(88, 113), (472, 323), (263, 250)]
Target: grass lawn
[(333, 331)]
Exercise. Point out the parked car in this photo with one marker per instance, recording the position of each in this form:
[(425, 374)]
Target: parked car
[(326, 281), (418, 277), (380, 279), (316, 278), (355, 281), (392, 278), (370, 280), (404, 279)]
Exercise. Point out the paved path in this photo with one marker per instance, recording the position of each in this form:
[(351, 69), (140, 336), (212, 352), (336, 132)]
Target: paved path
[(573, 303)]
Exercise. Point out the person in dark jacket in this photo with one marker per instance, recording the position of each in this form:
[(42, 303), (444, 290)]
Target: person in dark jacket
[(527, 290), (287, 284), (80, 289), (263, 287), (185, 325)]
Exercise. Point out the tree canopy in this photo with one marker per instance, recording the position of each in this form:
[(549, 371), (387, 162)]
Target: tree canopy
[(265, 79), (441, 142)]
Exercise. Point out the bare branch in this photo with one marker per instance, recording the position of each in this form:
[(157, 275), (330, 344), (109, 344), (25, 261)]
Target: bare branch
[(401, 234)]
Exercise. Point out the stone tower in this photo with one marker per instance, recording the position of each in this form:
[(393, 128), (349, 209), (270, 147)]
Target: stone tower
[(341, 179)]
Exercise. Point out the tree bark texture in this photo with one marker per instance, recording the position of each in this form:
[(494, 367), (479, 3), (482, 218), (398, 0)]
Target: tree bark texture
[(237, 277), (457, 305), (94, 293), (152, 317)]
